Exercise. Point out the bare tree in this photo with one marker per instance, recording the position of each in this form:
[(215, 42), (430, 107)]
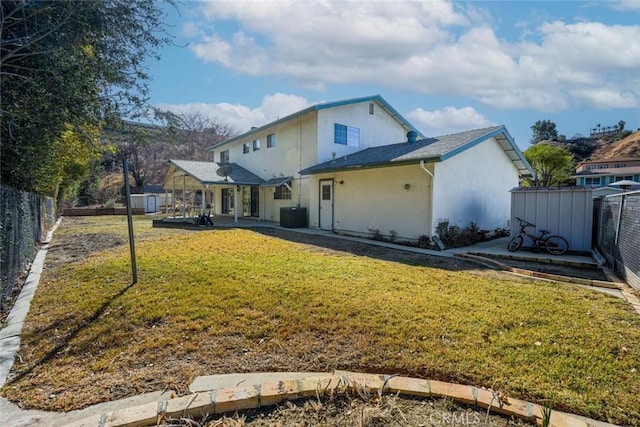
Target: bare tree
[(196, 133)]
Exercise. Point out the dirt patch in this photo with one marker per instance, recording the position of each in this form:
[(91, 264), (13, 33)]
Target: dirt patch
[(363, 409)]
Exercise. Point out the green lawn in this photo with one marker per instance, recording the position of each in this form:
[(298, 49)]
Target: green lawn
[(235, 300)]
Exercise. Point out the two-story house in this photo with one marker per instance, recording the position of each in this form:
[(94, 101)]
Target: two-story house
[(600, 173), (358, 167)]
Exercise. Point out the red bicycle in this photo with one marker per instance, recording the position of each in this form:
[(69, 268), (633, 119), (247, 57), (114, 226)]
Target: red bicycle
[(555, 245)]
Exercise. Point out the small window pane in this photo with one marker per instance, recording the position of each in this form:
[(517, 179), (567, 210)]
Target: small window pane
[(326, 192), (245, 147), (282, 193), (271, 140), (256, 144), (224, 156), (353, 136), (340, 134)]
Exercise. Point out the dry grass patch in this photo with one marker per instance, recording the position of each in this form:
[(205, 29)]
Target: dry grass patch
[(237, 301)]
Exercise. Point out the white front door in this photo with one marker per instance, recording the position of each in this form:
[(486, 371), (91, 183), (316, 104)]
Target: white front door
[(326, 204)]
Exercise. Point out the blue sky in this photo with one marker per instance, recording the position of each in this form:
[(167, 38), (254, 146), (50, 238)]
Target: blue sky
[(445, 66)]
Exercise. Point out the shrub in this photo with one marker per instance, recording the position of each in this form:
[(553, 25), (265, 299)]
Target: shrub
[(454, 236)]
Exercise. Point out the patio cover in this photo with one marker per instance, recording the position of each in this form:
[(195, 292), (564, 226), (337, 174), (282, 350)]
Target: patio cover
[(199, 174)]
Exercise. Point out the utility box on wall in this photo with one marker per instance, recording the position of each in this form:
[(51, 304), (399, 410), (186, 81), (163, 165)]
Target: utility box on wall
[(565, 211)]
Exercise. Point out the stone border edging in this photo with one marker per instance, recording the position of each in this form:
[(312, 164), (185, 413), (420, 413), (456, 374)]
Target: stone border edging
[(232, 399)]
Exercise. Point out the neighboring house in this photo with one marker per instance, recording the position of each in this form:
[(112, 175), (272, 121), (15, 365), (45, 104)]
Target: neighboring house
[(599, 173), (359, 166)]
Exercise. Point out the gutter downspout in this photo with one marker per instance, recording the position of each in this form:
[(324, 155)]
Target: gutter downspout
[(423, 167)]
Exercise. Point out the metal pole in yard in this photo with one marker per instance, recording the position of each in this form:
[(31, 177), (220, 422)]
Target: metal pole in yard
[(132, 246)]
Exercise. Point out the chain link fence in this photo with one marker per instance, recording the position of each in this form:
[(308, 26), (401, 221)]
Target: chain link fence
[(617, 226), (24, 220)]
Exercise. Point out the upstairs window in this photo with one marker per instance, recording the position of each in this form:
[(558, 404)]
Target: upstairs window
[(256, 144), (621, 165), (245, 148), (371, 108), (346, 135), (282, 193), (224, 156), (590, 167), (603, 167), (271, 140)]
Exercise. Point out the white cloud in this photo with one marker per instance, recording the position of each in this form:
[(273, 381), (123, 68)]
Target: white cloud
[(241, 117), (434, 47), (626, 5), (448, 120)]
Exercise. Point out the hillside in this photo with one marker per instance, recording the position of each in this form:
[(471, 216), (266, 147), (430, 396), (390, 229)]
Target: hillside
[(599, 149), (627, 147)]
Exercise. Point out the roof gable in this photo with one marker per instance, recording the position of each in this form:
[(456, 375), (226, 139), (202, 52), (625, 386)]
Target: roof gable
[(431, 149), (379, 100)]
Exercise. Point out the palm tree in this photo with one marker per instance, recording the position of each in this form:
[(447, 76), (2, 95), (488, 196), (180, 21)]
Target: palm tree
[(621, 124)]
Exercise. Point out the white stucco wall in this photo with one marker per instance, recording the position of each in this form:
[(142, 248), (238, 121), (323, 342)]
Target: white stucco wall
[(306, 141), (474, 186), (375, 129), (376, 199)]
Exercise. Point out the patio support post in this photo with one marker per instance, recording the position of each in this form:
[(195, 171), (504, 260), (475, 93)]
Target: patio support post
[(173, 196), (166, 197), (204, 199), (235, 204), (184, 197)]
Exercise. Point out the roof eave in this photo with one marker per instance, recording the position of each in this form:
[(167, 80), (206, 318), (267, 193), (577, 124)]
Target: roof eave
[(507, 143), (373, 98), (374, 165)]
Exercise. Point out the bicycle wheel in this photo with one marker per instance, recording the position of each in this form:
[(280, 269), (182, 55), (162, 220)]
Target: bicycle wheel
[(556, 245), (515, 243)]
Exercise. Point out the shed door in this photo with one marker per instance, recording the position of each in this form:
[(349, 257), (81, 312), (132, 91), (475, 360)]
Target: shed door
[(326, 204)]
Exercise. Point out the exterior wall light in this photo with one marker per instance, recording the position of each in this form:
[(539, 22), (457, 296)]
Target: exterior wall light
[(407, 187)]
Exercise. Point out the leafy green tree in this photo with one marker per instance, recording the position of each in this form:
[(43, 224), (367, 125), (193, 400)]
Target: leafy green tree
[(543, 130), (552, 165), (64, 65)]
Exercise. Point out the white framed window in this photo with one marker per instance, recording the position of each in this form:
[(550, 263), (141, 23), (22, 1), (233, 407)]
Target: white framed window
[(245, 148), (271, 140), (224, 156), (256, 144), (590, 167), (282, 193), (624, 178), (346, 135), (621, 165), (371, 108), (603, 167)]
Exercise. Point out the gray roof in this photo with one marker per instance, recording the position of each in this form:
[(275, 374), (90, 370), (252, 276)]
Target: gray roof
[(276, 182), (430, 149), (206, 173)]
